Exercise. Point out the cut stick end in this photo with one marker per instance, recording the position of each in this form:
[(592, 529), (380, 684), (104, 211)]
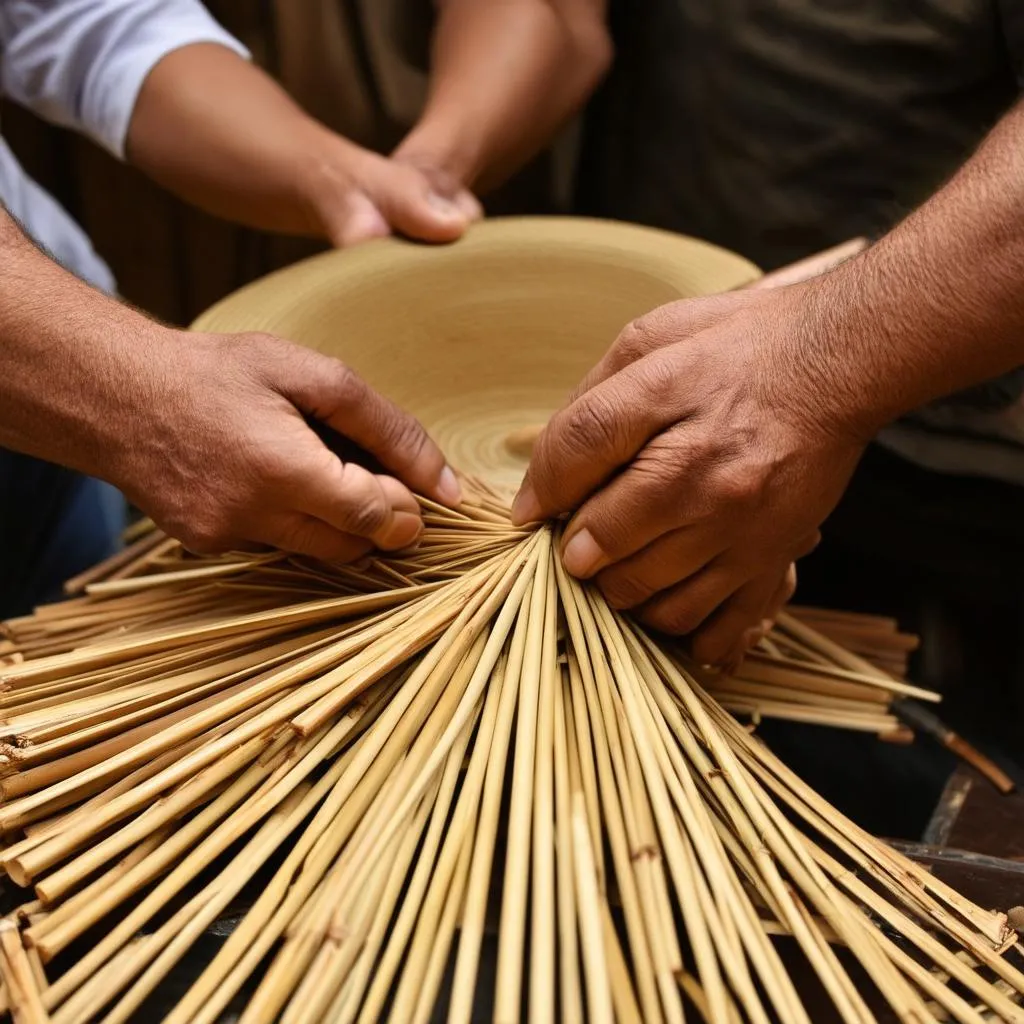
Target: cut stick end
[(17, 873)]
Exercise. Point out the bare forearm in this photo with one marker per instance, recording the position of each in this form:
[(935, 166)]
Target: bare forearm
[(204, 432), (937, 305), (505, 75), (66, 359), (220, 133)]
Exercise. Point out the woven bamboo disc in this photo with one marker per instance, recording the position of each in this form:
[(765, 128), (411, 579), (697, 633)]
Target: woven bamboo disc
[(484, 339)]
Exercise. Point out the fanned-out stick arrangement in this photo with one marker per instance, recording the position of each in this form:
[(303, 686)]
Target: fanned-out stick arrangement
[(383, 765), (805, 671)]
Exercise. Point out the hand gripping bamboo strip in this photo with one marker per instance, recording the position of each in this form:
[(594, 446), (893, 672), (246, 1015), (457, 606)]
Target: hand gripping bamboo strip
[(181, 722)]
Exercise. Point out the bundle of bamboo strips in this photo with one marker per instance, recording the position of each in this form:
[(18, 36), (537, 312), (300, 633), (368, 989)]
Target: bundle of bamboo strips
[(876, 638), (841, 669), (365, 742)]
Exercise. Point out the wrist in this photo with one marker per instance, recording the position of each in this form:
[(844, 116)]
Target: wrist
[(141, 397), (72, 368), (838, 355)]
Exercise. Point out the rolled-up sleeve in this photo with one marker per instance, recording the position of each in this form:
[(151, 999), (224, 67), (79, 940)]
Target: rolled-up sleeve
[(81, 63)]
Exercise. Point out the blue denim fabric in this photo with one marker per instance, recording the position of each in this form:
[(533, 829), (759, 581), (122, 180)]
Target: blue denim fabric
[(53, 524)]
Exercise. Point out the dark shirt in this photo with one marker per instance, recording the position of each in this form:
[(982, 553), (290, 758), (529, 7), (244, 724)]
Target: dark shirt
[(778, 128)]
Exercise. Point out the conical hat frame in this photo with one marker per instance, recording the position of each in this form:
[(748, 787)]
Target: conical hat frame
[(485, 338)]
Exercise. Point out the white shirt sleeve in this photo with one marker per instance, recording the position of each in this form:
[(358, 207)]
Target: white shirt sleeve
[(81, 63)]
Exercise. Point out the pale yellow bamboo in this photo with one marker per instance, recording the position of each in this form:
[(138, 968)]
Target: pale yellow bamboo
[(514, 899), (20, 984), (541, 1001), (595, 962), (567, 775)]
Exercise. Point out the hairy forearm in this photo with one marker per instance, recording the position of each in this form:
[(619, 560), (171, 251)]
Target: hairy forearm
[(505, 75), (221, 134), (937, 305), (66, 359)]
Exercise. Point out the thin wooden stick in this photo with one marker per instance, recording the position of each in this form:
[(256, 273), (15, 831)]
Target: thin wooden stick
[(165, 732), (567, 782), (599, 997), (20, 981)]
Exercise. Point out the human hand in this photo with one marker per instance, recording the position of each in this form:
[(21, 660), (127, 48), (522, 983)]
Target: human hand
[(451, 183), (359, 195), (222, 134), (217, 453), (700, 456)]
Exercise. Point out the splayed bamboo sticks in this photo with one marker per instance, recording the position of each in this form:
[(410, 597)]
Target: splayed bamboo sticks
[(350, 738), (802, 671)]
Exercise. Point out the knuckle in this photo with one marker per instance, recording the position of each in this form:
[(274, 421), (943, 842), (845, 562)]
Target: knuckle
[(634, 342), (713, 645), (658, 380), (312, 537), (590, 425), (402, 433), (298, 535), (587, 430), (348, 385), (345, 389), (679, 617), (741, 484), (623, 590), (659, 470), (367, 516)]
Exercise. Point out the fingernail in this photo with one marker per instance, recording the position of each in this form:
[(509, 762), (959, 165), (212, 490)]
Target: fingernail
[(767, 625), (583, 556), (526, 508), (400, 532), (444, 206), (449, 490)]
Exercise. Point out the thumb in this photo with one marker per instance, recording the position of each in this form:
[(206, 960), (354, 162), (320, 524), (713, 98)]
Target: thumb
[(329, 391), (412, 206), (355, 219)]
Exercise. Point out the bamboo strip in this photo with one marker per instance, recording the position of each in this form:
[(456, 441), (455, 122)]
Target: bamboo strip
[(599, 998), (567, 783), (368, 736), (20, 981)]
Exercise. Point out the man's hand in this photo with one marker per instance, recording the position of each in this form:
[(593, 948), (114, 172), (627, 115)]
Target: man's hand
[(217, 451), (360, 195), (207, 433), (222, 134), (701, 455)]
